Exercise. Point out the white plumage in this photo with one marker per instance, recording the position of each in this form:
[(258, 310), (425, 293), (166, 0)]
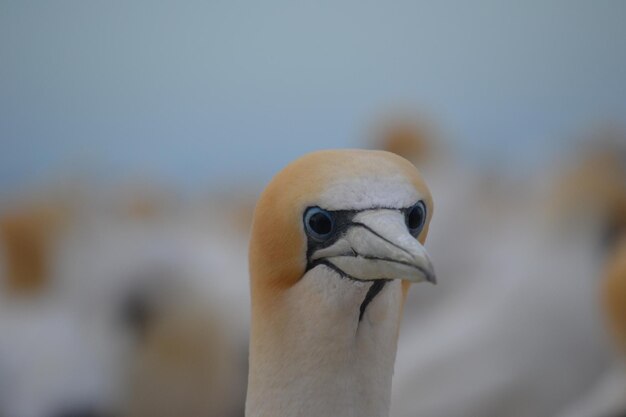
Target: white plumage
[(327, 293)]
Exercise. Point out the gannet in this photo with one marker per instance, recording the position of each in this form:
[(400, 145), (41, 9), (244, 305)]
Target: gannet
[(337, 238)]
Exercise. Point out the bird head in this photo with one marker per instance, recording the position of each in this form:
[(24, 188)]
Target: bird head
[(363, 215)]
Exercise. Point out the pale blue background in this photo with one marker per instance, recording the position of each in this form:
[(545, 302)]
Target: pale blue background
[(202, 93)]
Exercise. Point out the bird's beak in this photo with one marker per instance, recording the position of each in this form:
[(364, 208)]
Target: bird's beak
[(378, 245)]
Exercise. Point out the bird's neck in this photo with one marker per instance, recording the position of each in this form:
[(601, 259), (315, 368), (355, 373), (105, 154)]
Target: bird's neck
[(312, 355)]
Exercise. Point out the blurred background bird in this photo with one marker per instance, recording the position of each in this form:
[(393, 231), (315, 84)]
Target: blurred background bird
[(137, 137)]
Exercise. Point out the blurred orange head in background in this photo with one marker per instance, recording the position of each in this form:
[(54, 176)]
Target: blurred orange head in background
[(411, 138), (27, 235)]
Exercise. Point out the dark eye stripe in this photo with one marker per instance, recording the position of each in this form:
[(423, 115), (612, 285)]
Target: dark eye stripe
[(343, 220)]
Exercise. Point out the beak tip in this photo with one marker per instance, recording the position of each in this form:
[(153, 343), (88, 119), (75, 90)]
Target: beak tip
[(429, 275)]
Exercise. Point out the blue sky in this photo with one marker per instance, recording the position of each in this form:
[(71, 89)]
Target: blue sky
[(203, 93)]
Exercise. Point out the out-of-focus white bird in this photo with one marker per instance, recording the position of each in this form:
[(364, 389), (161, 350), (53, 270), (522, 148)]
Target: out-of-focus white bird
[(189, 357), (334, 235), (516, 329), (98, 308), (607, 398)]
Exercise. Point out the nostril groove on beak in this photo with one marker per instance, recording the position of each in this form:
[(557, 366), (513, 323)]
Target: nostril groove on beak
[(375, 233)]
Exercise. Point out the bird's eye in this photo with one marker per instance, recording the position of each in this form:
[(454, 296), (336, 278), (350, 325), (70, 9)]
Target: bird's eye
[(319, 224), (415, 218)]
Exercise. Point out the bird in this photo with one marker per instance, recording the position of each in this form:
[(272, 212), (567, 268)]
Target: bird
[(607, 396), (614, 302), (337, 238), (492, 336)]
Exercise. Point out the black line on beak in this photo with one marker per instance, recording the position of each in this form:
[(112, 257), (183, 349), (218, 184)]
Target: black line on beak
[(342, 273)]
